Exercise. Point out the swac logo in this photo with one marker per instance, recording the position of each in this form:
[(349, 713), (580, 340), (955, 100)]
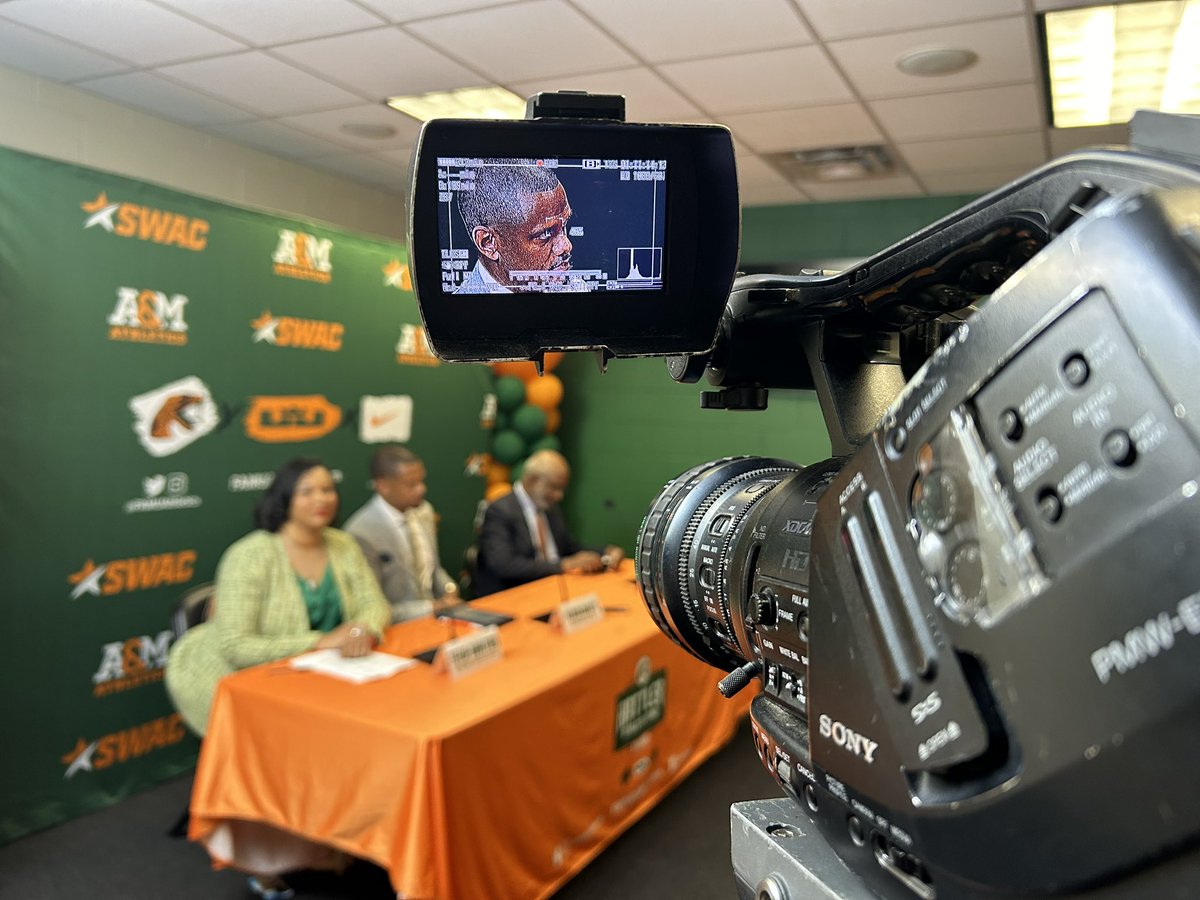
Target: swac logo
[(306, 334), (396, 274), (277, 420), (148, 317), (146, 224), (413, 347), (138, 573), (304, 256), (169, 418), (132, 663), (122, 746)]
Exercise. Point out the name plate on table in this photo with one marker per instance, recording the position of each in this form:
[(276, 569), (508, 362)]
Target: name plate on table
[(575, 615), (464, 655)]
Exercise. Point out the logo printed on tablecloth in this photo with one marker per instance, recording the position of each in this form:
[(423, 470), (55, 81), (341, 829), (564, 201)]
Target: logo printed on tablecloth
[(148, 317), (145, 223), (122, 746), (288, 419), (413, 347), (169, 418), (132, 663), (642, 705), (303, 256), (137, 573), (304, 334), (163, 491)]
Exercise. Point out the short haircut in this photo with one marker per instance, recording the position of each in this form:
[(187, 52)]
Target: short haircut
[(545, 463), (504, 193), (389, 459), (272, 509)]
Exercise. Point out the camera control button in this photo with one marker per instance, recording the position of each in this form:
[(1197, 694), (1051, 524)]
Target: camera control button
[(1075, 370), (1119, 449)]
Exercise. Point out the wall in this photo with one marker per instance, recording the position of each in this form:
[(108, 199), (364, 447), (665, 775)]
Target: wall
[(71, 125)]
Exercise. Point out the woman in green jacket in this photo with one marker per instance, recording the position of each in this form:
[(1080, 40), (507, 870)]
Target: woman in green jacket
[(293, 585)]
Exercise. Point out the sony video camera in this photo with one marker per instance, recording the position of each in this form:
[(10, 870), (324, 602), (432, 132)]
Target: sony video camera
[(976, 630)]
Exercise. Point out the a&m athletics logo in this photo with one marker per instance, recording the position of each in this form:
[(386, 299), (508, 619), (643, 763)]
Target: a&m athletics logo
[(169, 418), (305, 334), (144, 223), (276, 420), (148, 317), (641, 706), (137, 573), (303, 256), (131, 663), (121, 746), (413, 347)]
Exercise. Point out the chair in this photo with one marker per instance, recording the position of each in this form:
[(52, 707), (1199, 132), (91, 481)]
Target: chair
[(194, 607), (466, 577)]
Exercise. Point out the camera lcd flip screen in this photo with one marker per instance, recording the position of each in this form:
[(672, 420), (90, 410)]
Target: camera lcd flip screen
[(557, 234), (569, 225)]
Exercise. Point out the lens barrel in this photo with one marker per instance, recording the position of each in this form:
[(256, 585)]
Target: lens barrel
[(688, 544)]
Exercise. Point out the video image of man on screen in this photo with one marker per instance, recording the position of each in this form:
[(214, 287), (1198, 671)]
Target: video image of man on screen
[(509, 226)]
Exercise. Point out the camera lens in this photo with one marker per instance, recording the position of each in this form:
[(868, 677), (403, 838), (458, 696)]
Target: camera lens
[(707, 537)]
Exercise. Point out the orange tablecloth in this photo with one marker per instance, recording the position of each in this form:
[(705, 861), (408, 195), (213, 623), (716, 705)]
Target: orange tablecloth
[(502, 784)]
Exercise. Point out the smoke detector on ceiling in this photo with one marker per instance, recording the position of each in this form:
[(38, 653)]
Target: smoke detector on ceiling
[(934, 61)]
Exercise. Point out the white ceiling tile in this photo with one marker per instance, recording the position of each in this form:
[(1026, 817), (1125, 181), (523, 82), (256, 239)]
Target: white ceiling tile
[(970, 182), (696, 28), (278, 140), (408, 10), (380, 63), (976, 154), (1003, 45), (544, 37), (960, 113), (833, 19), (804, 129), (870, 189), (1064, 140), (261, 83), (135, 30), (772, 79), (328, 124), (770, 195), (160, 97), (753, 171), (265, 22), (647, 97), (31, 51)]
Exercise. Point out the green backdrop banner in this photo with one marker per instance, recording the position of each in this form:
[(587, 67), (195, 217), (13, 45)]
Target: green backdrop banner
[(161, 355)]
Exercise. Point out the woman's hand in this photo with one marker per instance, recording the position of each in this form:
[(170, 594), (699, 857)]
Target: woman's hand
[(350, 638)]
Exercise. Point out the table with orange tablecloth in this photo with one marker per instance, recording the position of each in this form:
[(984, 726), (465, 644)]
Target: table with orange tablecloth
[(500, 784)]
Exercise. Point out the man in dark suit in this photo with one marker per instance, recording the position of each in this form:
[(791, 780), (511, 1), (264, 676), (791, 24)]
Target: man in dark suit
[(524, 535)]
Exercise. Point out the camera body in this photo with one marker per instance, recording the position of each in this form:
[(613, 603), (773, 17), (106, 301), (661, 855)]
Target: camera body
[(976, 628)]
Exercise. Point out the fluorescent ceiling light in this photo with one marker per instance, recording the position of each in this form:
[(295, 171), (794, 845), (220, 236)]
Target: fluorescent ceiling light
[(1105, 62), (465, 103)]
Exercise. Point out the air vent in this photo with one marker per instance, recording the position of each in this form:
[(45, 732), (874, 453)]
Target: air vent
[(834, 163)]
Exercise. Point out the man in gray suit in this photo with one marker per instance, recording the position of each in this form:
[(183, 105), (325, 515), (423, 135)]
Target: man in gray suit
[(397, 529)]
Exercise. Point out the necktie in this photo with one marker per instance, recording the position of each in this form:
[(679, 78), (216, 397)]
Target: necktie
[(543, 547)]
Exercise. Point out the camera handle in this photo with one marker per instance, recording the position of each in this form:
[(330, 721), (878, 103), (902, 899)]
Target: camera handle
[(576, 105)]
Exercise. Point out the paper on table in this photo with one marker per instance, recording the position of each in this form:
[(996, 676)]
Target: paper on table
[(371, 667)]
